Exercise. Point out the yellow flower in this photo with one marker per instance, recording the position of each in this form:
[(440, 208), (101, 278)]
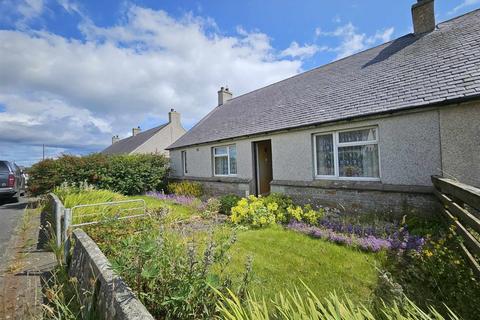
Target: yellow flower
[(456, 261), (428, 253)]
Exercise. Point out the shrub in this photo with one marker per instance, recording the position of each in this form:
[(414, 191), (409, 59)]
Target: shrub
[(306, 214), (438, 275), (127, 174), (212, 207), (171, 278), (185, 188), (283, 201), (227, 202), (255, 212)]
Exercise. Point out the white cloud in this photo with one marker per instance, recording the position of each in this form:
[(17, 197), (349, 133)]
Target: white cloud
[(464, 4), (302, 52), (21, 12), (72, 93), (352, 41)]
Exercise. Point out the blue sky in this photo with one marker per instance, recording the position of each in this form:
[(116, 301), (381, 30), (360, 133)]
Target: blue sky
[(74, 73)]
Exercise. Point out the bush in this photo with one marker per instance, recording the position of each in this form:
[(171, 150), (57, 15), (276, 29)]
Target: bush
[(260, 212), (185, 188), (171, 278), (127, 174), (438, 275), (255, 212), (227, 202), (283, 201), (212, 207)]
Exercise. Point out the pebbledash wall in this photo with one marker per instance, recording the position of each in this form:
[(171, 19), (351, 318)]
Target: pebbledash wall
[(413, 146)]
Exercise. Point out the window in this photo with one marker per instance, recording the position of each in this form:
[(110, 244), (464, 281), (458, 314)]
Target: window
[(184, 162), (347, 154), (225, 160)]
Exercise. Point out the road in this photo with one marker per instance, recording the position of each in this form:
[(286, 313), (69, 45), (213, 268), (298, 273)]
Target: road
[(10, 215)]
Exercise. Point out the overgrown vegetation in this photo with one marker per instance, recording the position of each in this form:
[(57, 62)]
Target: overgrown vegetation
[(304, 304), (175, 264), (126, 174)]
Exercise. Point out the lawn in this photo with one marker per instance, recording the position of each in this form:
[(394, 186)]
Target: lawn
[(282, 257)]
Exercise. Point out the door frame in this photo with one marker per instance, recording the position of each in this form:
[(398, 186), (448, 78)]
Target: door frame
[(256, 167)]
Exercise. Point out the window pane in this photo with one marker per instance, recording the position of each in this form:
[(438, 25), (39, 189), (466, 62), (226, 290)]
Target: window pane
[(232, 151), (221, 151), (184, 161), (325, 158), (358, 135), (358, 161), (221, 165)]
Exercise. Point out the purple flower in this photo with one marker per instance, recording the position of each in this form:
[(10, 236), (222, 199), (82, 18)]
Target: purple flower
[(363, 239), (184, 200)]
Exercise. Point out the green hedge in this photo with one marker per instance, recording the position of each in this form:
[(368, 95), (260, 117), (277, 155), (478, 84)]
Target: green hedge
[(127, 174)]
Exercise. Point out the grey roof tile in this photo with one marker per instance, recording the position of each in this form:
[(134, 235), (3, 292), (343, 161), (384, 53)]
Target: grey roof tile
[(411, 71), (129, 144)]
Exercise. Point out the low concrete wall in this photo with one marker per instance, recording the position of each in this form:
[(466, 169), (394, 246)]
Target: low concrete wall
[(217, 186), (112, 298), (362, 197), (354, 196)]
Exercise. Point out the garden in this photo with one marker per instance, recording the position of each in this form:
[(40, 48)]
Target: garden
[(199, 257)]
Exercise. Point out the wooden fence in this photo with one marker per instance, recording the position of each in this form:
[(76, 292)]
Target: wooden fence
[(461, 204)]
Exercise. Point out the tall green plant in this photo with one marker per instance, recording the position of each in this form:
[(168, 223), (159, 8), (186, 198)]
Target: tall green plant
[(293, 305), (127, 174)]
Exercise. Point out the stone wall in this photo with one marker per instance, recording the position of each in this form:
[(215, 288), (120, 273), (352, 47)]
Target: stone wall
[(98, 283), (362, 197), (217, 186)]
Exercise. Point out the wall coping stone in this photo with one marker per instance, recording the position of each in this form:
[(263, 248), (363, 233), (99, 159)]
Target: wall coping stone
[(355, 185), (212, 179), (114, 299)]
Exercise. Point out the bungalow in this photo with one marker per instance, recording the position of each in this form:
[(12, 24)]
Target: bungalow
[(366, 132), (154, 140)]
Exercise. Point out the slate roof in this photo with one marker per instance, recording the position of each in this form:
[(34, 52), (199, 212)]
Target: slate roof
[(411, 71), (129, 144)]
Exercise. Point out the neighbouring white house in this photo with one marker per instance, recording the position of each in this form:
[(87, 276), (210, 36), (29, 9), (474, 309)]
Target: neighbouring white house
[(366, 132), (151, 141)]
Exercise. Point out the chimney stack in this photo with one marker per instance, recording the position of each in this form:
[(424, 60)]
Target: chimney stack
[(136, 131), (224, 95), (423, 16), (115, 139), (173, 116)]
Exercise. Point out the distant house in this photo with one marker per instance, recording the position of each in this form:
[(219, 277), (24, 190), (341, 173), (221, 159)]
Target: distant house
[(365, 132), (154, 140)]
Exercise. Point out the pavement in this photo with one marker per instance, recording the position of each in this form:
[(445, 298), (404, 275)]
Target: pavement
[(24, 260), (10, 216)]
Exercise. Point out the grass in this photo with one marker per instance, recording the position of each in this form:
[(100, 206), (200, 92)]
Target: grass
[(282, 257)]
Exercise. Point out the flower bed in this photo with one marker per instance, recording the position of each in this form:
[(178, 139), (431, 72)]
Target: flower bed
[(399, 240)]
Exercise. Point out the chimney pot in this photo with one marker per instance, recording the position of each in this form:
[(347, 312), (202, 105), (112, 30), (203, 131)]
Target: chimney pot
[(136, 131), (423, 16), (115, 139), (174, 116), (224, 95)]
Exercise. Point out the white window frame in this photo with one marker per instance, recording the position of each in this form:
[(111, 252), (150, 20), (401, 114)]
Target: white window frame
[(336, 145), (183, 154), (228, 146)]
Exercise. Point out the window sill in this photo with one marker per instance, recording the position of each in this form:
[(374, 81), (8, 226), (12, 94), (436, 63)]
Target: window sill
[(332, 178)]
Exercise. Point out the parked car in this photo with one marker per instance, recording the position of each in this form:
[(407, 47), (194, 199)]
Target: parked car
[(12, 181)]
